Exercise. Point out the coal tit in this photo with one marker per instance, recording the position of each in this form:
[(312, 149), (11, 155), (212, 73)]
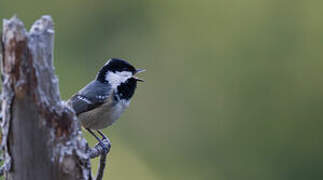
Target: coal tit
[(101, 102)]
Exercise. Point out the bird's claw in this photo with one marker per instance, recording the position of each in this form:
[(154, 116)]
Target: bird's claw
[(105, 144)]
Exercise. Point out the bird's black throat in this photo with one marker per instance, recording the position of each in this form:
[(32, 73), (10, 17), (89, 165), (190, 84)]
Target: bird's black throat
[(127, 89)]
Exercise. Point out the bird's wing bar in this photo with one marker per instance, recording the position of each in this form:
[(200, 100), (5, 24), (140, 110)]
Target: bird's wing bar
[(90, 97), (82, 104)]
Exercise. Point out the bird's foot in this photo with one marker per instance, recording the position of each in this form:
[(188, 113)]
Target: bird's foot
[(106, 140), (105, 144)]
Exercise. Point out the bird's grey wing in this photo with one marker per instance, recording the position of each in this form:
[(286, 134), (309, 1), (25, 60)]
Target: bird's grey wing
[(81, 104), (90, 97)]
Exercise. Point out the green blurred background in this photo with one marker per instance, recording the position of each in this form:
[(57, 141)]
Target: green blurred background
[(234, 88)]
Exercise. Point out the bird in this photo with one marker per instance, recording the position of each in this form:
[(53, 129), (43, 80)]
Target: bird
[(102, 101)]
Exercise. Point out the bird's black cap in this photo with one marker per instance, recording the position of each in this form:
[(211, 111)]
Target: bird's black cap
[(115, 65)]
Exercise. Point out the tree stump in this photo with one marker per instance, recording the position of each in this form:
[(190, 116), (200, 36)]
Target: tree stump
[(41, 136)]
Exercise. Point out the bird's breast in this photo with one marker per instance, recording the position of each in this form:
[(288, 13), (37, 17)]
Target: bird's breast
[(103, 116)]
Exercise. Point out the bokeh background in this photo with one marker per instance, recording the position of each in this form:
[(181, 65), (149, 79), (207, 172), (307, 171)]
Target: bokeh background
[(233, 88)]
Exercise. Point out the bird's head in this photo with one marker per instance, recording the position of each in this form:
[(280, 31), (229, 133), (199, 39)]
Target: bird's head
[(118, 71)]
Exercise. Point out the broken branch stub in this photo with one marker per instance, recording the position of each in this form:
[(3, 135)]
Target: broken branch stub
[(41, 135)]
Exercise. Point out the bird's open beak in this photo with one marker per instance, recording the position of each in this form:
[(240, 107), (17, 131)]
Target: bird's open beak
[(136, 78), (139, 71)]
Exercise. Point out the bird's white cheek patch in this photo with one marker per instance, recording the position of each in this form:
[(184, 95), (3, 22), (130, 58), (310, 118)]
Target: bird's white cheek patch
[(116, 78)]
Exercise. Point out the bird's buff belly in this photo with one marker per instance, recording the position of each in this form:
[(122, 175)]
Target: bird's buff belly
[(101, 117)]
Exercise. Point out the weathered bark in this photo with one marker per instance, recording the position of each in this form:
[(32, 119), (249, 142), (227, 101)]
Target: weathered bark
[(41, 135)]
